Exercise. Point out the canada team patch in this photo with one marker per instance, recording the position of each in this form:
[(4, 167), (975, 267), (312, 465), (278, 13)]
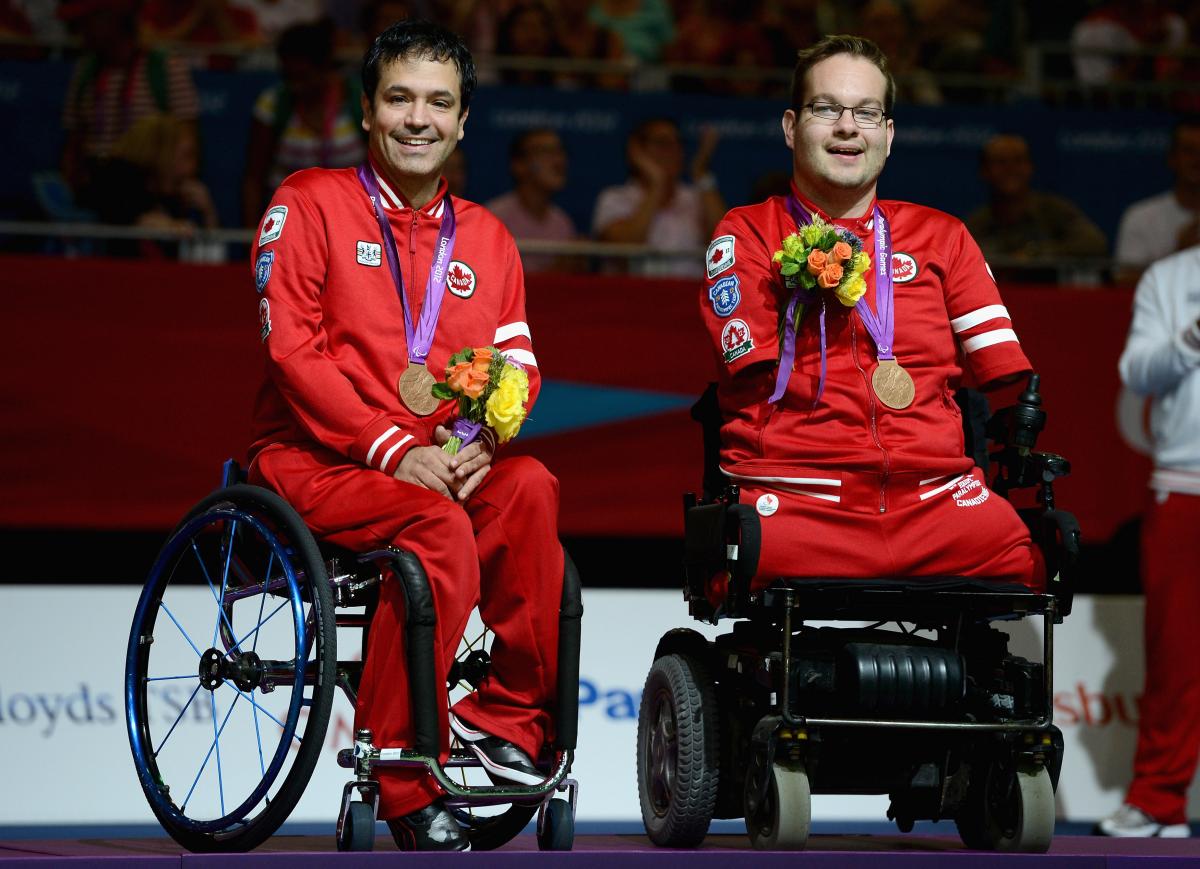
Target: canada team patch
[(262, 269), (368, 253), (264, 319), (460, 279), (904, 268), (767, 505), (272, 225), (720, 255), (725, 295), (736, 340)]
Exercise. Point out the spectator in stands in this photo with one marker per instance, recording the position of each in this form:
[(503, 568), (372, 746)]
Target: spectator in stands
[(889, 27), (313, 118), (1020, 223), (538, 163), (116, 82), (152, 180), (583, 39), (655, 207), (1154, 227), (788, 25), (646, 27), (1125, 40), (276, 16), (1162, 360), (208, 22), (718, 33), (527, 31), (377, 15)]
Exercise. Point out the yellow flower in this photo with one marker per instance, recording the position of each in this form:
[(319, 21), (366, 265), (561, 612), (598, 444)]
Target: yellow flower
[(862, 262), (792, 246), (505, 409), (851, 291)]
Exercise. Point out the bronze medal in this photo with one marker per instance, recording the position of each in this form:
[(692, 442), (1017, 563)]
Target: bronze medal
[(415, 388), (893, 384)]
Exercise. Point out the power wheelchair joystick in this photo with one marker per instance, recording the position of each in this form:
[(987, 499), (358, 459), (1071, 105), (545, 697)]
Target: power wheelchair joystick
[(1015, 430)]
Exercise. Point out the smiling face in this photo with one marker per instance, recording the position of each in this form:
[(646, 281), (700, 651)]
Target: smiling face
[(837, 163), (414, 123)]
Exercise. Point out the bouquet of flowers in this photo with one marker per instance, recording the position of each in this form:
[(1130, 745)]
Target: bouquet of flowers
[(491, 390), (823, 256)]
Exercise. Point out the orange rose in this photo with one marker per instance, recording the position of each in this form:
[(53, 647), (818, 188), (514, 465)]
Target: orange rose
[(456, 377), (476, 382), (482, 360), (831, 276), (816, 261), (842, 252)]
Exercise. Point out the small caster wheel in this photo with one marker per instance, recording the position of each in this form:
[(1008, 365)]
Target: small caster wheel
[(357, 830), (558, 827)]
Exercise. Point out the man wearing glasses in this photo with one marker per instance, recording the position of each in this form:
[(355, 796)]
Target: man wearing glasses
[(839, 353)]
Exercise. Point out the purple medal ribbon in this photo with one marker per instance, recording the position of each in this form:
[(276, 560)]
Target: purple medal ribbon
[(881, 328), (419, 339)]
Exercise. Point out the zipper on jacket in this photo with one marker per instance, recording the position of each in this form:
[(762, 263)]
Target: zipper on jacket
[(887, 461)]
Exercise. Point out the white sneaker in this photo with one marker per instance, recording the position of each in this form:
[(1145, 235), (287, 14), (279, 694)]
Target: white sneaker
[(1131, 822)]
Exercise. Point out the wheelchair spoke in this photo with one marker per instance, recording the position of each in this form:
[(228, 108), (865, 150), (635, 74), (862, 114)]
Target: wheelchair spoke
[(254, 631), (178, 718), (228, 552), (251, 701), (204, 763), (212, 697), (213, 588), (166, 609), (262, 767), (262, 600), (167, 678)]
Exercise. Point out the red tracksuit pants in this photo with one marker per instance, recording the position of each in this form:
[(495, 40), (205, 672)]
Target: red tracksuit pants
[(499, 550), (1169, 715), (830, 524)]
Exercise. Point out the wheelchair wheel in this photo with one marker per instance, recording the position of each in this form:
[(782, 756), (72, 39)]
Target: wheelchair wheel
[(230, 669), (558, 827), (677, 762), (782, 819), (1011, 809), (357, 832)]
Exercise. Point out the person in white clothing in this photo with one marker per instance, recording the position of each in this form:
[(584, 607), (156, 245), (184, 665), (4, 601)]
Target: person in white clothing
[(1162, 360)]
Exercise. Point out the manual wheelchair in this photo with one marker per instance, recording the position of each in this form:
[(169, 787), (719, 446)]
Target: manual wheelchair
[(261, 685), (939, 716)]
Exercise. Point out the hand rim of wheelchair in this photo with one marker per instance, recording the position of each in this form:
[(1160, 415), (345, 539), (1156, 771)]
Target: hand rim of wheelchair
[(232, 830)]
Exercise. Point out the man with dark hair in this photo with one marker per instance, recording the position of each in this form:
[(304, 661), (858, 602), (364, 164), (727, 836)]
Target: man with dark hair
[(538, 163), (1168, 222), (839, 350), (369, 280)]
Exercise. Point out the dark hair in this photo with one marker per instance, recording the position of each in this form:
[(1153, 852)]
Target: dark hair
[(642, 127), (311, 41), (831, 46), (422, 40), (516, 148)]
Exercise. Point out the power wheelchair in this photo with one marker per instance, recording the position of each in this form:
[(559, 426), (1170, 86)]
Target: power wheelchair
[(937, 714), (266, 676)]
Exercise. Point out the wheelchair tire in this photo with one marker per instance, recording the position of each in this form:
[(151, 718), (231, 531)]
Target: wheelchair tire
[(357, 832), (784, 818), (244, 547), (558, 827), (1011, 810), (677, 752)]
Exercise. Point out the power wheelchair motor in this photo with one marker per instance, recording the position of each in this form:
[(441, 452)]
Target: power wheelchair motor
[(258, 669), (935, 713)]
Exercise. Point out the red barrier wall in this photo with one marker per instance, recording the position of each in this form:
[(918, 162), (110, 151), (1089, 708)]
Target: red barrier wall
[(124, 384)]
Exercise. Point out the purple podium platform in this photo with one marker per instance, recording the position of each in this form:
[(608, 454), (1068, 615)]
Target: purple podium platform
[(628, 851)]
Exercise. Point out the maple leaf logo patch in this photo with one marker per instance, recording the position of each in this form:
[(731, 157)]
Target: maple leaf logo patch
[(460, 279)]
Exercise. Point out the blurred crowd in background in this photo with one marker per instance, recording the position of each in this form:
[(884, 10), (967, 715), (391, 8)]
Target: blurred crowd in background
[(131, 118)]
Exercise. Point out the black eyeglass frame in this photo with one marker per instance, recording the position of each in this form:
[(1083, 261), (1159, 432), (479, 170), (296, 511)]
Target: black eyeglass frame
[(858, 122)]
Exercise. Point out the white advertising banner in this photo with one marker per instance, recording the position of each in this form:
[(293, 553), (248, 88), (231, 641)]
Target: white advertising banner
[(65, 759)]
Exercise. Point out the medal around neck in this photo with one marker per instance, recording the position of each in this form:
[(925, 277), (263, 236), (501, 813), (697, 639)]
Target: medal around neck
[(415, 387), (892, 384)]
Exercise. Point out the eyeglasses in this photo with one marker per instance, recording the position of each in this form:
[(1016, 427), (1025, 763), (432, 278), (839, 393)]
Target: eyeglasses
[(864, 116)]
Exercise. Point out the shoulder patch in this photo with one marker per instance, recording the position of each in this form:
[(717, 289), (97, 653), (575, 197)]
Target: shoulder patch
[(264, 319), (725, 295), (262, 269), (369, 253), (904, 268), (460, 279), (720, 255), (272, 225), (735, 340)]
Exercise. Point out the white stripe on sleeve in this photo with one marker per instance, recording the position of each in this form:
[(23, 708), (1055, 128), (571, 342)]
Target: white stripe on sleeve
[(987, 339), (525, 357), (512, 330), (383, 462), (979, 315), (379, 442)]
